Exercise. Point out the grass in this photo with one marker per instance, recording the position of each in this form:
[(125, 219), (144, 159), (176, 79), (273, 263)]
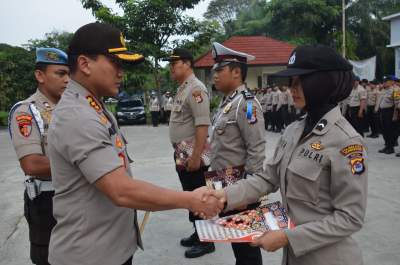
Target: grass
[(3, 118)]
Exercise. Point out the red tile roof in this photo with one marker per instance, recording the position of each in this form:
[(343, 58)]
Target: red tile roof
[(267, 51)]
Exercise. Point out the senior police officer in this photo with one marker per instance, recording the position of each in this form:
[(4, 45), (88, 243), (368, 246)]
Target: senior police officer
[(319, 165), (28, 123), (357, 106), (96, 197), (238, 137), (189, 121)]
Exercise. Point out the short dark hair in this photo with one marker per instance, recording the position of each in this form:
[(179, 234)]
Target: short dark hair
[(41, 67), (73, 61), (242, 67), (190, 61)]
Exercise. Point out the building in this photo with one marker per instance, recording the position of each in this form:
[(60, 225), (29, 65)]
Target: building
[(271, 56), (395, 39)]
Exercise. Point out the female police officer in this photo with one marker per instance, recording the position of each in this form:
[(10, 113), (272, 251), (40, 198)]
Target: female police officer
[(319, 165)]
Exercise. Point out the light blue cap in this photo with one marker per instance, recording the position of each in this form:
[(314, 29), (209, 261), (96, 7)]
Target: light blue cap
[(51, 56)]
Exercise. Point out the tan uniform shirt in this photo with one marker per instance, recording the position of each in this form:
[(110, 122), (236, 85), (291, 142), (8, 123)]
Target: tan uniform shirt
[(323, 182), (28, 124), (372, 96), (269, 101), (275, 97), (169, 103), (85, 144), (191, 109), (357, 94), (283, 99), (154, 104), (238, 139), (387, 100)]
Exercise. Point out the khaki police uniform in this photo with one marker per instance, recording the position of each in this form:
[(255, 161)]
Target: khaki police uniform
[(283, 108), (85, 144), (357, 95), (372, 117), (191, 108), (28, 124), (155, 111), (168, 107), (275, 114), (386, 109), (323, 182)]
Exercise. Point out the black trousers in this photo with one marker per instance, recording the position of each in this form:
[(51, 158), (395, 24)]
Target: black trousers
[(155, 118), (388, 127), (284, 113), (191, 181), (373, 120), (167, 116), (39, 216), (355, 121)]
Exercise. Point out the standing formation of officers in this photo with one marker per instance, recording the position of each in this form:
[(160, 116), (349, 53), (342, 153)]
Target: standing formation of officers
[(79, 161)]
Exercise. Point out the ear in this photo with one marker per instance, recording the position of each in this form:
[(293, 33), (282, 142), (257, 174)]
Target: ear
[(40, 76), (237, 73), (84, 64)]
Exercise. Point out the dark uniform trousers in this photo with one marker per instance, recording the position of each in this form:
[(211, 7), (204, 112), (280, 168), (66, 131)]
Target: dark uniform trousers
[(355, 121), (191, 181), (284, 114), (388, 127), (274, 116), (267, 115), (155, 117), (244, 253), (373, 120), (39, 216), (167, 116)]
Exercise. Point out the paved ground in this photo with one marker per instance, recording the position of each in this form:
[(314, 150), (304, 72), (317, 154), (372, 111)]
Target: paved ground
[(379, 239)]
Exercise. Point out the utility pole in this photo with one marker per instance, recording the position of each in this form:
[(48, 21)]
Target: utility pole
[(344, 28)]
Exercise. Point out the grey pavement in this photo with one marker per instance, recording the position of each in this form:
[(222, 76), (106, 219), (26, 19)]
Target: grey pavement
[(153, 162)]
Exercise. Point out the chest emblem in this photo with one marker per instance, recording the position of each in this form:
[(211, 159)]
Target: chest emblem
[(227, 108), (317, 146)]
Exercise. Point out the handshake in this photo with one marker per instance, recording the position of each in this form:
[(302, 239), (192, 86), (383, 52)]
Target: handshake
[(207, 203)]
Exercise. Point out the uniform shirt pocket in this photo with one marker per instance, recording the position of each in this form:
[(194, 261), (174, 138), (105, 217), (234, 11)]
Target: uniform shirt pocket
[(177, 113), (303, 180)]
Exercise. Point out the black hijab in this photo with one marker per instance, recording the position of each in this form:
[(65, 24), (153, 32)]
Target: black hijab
[(323, 91)]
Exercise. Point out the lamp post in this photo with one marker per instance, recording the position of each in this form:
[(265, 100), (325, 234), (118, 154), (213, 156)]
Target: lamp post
[(344, 28)]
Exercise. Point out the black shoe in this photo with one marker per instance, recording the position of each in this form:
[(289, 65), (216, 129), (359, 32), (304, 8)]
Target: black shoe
[(373, 136), (389, 151), (383, 150), (398, 155), (199, 250), (396, 143), (190, 241)]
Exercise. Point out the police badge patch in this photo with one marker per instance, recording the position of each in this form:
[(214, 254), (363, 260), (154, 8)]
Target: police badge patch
[(24, 124), (357, 165), (197, 96)]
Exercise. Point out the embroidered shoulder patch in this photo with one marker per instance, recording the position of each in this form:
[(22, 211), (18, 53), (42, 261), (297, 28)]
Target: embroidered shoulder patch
[(351, 149), (357, 165), (197, 96), (24, 124)]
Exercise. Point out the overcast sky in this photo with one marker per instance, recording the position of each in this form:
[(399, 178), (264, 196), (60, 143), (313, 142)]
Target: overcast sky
[(22, 20)]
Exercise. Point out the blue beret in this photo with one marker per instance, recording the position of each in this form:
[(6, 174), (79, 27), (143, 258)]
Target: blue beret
[(51, 56)]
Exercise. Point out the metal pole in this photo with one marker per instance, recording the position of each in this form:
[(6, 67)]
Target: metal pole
[(344, 28)]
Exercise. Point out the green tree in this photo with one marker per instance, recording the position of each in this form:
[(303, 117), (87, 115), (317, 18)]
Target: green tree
[(148, 26), (53, 39)]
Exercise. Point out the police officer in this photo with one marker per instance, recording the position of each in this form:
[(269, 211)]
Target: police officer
[(28, 123), (268, 109), (283, 107), (189, 121), (154, 109), (319, 165), (275, 115), (387, 112), (357, 106), (372, 98), (169, 101), (238, 129), (96, 197)]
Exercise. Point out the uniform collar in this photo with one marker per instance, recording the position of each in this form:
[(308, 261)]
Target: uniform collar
[(327, 121), (234, 94), (44, 100), (188, 80), (80, 90)]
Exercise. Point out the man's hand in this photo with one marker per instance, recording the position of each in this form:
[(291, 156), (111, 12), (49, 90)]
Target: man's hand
[(205, 204), (271, 241), (193, 163), (360, 114)]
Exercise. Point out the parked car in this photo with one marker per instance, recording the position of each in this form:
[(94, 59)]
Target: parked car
[(130, 111)]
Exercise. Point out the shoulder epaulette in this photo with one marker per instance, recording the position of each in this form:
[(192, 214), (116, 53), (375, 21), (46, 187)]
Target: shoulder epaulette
[(247, 94)]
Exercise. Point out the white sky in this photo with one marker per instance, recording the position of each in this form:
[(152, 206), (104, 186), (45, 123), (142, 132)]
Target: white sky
[(22, 20)]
